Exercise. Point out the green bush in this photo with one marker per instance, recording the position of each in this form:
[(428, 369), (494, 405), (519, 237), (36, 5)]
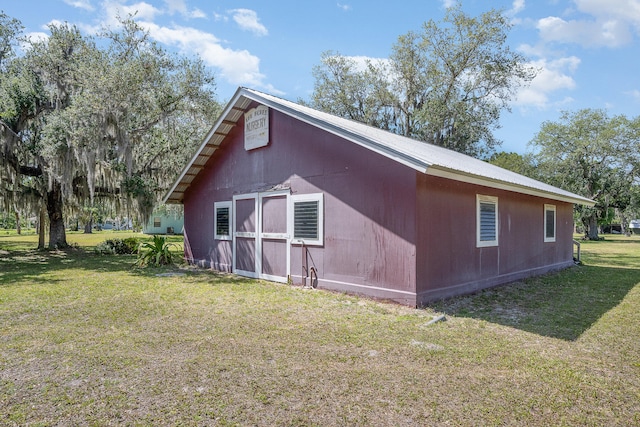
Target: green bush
[(126, 246), (157, 252), (130, 245), (105, 248)]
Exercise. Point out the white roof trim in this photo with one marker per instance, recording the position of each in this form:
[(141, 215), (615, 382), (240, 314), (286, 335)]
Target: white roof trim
[(418, 155), (470, 179)]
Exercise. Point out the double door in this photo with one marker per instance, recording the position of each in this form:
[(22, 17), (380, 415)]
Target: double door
[(261, 238)]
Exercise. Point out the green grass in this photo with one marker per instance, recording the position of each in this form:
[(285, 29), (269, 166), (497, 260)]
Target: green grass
[(9, 240), (91, 340)]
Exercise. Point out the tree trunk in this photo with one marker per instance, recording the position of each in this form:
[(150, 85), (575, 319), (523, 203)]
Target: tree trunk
[(624, 224), (57, 234), (18, 229), (592, 232), (42, 220), (88, 227)]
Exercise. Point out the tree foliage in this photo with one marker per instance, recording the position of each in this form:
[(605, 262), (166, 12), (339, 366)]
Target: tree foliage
[(445, 85), (10, 28), (110, 119), (355, 90), (593, 155), (522, 164)]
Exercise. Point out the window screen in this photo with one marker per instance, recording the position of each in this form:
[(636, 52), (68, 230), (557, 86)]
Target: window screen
[(487, 221), (222, 221), (156, 222), (306, 220)]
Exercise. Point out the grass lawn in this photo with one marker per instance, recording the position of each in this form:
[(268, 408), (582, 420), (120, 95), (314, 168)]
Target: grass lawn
[(91, 340)]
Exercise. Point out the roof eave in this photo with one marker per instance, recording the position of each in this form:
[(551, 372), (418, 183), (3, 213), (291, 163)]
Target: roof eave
[(503, 185), (231, 105)]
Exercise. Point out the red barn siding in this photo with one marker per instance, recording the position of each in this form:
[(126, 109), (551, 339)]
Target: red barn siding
[(454, 265), (219, 256), (369, 206), (389, 231)]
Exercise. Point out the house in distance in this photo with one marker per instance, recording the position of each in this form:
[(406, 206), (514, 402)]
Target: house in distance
[(283, 192)]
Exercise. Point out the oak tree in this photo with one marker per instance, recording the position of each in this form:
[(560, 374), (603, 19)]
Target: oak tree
[(112, 119), (593, 155), (446, 84)]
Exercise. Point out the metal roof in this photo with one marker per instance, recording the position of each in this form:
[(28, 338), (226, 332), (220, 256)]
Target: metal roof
[(423, 157)]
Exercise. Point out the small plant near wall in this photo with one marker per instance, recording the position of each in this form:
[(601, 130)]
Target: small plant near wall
[(155, 253)]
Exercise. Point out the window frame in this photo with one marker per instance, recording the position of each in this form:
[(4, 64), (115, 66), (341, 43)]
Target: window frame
[(221, 205), (550, 208), (480, 199), (313, 197)]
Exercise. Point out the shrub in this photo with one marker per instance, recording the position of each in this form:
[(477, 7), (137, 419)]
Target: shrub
[(105, 248), (126, 246), (157, 252), (129, 245)]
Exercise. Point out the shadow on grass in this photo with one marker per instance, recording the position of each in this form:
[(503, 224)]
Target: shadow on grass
[(560, 305), (20, 266), (32, 265)]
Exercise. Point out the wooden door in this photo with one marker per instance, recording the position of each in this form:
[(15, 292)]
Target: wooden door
[(245, 234), (273, 239), (260, 235)]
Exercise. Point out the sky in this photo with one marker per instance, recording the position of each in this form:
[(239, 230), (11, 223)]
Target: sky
[(587, 52)]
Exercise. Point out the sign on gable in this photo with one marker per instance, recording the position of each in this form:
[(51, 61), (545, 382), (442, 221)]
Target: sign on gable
[(256, 128)]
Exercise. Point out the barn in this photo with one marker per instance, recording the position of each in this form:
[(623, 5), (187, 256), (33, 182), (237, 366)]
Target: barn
[(282, 192)]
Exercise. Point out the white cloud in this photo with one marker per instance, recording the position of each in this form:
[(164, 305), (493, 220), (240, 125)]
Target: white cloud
[(553, 75), (180, 6), (608, 24), (248, 20), (361, 62), (141, 10), (176, 6), (197, 13), (635, 94), (625, 10), (345, 7), (448, 3), (238, 67), (81, 4), (217, 17), (609, 33), (53, 22), (517, 6), (34, 37)]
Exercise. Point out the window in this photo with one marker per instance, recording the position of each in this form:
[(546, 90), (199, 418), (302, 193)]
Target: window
[(157, 223), (308, 219), (222, 220), (487, 221), (549, 223)]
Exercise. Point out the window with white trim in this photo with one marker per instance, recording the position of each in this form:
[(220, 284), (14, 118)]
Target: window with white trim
[(487, 221), (308, 218), (222, 220), (549, 223), (157, 222)]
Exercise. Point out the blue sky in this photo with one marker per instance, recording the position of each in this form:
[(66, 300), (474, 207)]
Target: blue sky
[(587, 51)]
